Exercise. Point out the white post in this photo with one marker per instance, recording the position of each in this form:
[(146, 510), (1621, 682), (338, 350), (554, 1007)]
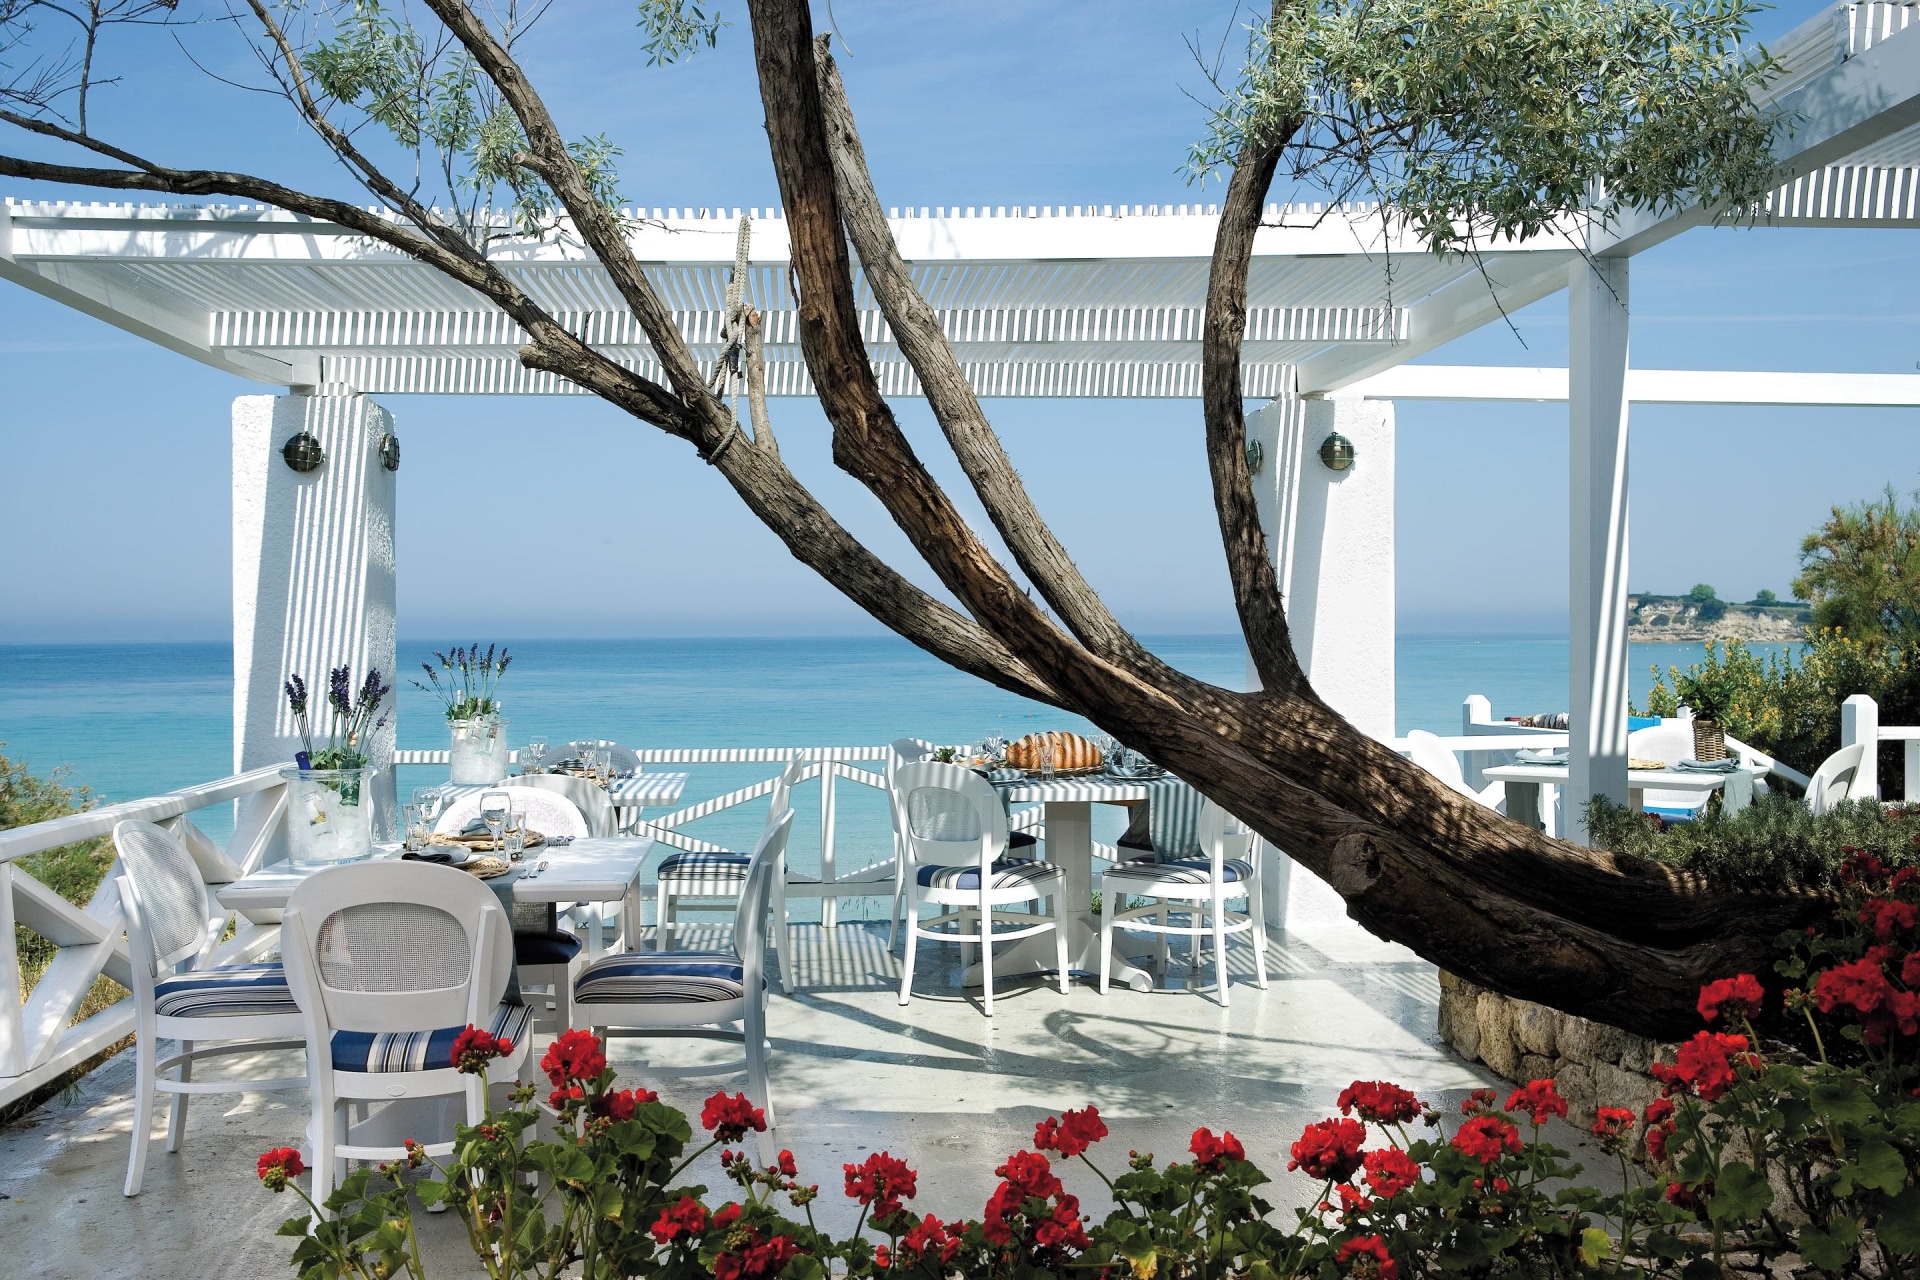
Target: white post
[(829, 901), (313, 570), (1331, 535), (1597, 516), (1860, 722)]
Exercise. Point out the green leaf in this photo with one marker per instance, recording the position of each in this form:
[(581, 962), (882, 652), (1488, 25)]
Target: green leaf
[(1595, 1245), (1832, 1249), (1842, 1101), (1876, 1166), (1897, 1221), (1739, 1194)]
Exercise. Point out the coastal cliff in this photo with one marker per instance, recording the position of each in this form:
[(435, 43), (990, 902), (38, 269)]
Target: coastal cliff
[(1682, 620)]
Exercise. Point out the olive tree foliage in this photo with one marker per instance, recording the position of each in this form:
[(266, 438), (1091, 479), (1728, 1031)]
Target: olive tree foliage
[(1473, 119)]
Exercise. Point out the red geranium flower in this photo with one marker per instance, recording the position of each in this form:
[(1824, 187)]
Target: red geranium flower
[(473, 1049), (931, 1236), (1026, 1175), (574, 1058), (1478, 1100), (1487, 1138), (1210, 1152), (1861, 867), (620, 1104), (754, 1258), (1366, 1256), (688, 1217), (881, 1182), (1061, 1229), (1612, 1121), (277, 1166), (1539, 1099), (1379, 1102), (730, 1118), (1390, 1171), (1326, 1149), (1885, 917), (1704, 1064), (1686, 1197), (787, 1166), (1738, 996), (1071, 1134)]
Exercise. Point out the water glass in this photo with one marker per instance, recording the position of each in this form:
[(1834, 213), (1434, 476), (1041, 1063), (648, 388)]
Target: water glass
[(494, 808), (1046, 756), (603, 766), (514, 844), (515, 833), (413, 826)]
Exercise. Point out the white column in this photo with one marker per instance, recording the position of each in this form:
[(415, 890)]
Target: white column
[(313, 569), (1860, 722), (1331, 534), (1597, 517)]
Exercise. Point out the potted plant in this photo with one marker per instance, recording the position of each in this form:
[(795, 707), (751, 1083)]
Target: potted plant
[(1709, 702), (472, 679), (330, 816)]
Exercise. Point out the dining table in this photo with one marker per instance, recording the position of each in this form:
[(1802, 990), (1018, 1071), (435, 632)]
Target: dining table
[(1525, 779), (602, 872), (629, 793), (1067, 809)]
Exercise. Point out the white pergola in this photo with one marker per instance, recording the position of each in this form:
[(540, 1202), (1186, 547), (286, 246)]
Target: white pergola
[(1081, 301)]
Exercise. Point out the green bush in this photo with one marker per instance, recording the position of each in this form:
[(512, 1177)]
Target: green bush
[(74, 872), (1774, 843)]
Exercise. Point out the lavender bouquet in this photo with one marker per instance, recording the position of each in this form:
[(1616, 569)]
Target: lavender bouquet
[(472, 680), (351, 726)]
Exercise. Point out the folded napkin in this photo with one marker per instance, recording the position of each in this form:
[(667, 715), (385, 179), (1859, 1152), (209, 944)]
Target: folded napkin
[(1003, 776), (1709, 766), (445, 854)]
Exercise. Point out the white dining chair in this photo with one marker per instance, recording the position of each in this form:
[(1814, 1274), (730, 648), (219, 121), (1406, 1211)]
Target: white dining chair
[(1021, 844), (1198, 890), (389, 962), (548, 812), (209, 1012), (1839, 778), (1437, 758), (699, 994), (714, 877), (954, 831), (589, 797)]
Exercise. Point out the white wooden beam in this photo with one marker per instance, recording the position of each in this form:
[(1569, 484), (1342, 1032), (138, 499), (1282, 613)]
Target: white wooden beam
[(1645, 386), (1597, 528)]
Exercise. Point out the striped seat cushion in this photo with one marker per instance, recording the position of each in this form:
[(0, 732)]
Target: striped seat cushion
[(420, 1050), (1008, 873), (705, 866), (1184, 871), (225, 992), (662, 977)]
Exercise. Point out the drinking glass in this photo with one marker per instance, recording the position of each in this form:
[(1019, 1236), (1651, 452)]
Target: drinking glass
[(428, 800), (536, 752), (514, 843), (1046, 756), (515, 832), (603, 766), (413, 826), (494, 808)]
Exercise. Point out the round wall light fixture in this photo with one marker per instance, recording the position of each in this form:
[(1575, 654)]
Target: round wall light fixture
[(1336, 451), (303, 453), (1256, 457), (390, 451)]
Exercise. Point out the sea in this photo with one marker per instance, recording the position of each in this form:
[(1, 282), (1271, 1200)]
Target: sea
[(131, 720)]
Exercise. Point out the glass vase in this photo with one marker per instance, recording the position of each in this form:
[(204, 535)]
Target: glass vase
[(479, 750), (329, 816)]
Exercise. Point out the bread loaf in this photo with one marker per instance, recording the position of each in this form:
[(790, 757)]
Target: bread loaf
[(1070, 751)]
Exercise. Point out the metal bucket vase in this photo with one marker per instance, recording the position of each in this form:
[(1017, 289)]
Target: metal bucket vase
[(479, 750), (329, 816)]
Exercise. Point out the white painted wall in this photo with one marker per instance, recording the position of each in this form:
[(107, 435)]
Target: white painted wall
[(1331, 533), (313, 569)]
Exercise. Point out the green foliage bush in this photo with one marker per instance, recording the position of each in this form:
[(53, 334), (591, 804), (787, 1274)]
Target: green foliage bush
[(74, 872), (1774, 843)]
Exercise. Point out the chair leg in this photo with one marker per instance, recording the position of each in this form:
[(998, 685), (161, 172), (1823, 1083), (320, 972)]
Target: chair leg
[(326, 1120), (754, 1030), (782, 936), (663, 919), (1163, 946), (1060, 938), (912, 922), (1220, 941), (1107, 900), (1257, 910), (986, 952), (899, 894), (144, 1055), (177, 1106)]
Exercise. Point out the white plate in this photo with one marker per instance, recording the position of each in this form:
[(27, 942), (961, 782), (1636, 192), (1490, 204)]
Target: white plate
[(1542, 755)]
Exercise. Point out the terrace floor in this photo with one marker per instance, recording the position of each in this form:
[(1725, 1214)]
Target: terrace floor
[(933, 1082)]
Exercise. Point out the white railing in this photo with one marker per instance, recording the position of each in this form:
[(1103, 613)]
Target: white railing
[(1860, 722), (37, 1044)]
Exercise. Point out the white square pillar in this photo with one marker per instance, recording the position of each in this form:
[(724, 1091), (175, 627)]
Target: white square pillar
[(1331, 535), (1597, 525), (313, 571)]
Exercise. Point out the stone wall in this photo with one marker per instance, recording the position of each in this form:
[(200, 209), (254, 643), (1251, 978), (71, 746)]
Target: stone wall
[(1591, 1064)]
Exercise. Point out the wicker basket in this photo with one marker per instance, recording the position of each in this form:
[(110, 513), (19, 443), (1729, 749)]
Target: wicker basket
[(1709, 740)]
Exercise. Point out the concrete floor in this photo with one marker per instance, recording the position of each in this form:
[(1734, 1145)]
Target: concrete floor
[(933, 1082)]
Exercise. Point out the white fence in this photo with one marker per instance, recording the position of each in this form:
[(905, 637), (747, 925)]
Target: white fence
[(1860, 722)]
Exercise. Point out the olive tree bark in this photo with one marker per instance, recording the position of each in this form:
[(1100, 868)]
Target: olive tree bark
[(1618, 939)]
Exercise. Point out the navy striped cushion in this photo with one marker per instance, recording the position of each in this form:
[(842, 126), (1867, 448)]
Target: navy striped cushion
[(224, 992), (705, 866), (1185, 871), (555, 946), (662, 977), (419, 1050), (1007, 873)]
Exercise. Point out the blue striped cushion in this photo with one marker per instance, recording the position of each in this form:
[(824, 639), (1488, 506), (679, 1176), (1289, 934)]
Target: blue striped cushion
[(419, 1050), (1007, 873), (662, 977), (224, 992), (1185, 871), (705, 866)]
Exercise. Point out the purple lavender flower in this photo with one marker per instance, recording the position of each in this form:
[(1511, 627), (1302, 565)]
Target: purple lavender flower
[(297, 695), (340, 690)]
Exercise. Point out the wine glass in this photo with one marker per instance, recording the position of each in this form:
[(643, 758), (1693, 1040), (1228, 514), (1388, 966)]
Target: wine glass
[(494, 808), (536, 753), (428, 800)]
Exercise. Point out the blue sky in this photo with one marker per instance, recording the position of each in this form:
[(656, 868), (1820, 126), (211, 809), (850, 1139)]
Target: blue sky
[(114, 489)]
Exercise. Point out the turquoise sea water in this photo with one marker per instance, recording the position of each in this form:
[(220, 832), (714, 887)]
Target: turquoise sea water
[(132, 720)]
